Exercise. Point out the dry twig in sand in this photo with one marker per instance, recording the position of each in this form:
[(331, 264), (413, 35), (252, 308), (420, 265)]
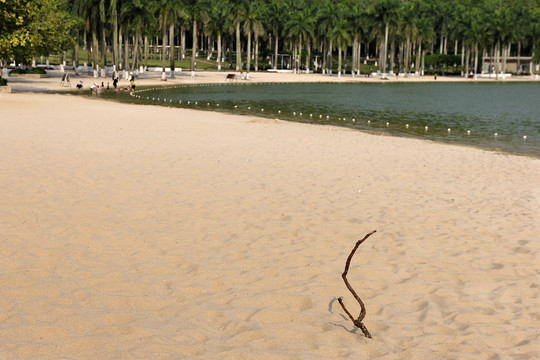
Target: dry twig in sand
[(356, 322)]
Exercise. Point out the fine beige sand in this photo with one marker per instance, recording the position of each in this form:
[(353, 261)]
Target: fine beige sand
[(142, 232)]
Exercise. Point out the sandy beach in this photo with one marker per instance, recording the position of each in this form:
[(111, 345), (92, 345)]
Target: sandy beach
[(144, 232)]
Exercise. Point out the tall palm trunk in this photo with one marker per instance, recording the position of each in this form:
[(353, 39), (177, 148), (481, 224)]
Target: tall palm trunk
[(324, 54), (219, 50), (505, 54), (238, 49), (533, 53), (308, 55), (339, 60), (424, 52), (418, 55), (406, 61), (392, 56), (475, 59), (171, 51), (163, 51), (355, 54), (76, 55), (518, 58), (385, 48), (248, 54), (120, 49), (497, 47), (135, 48), (146, 52), (467, 60), (299, 64), (115, 40), (381, 57), (276, 51), (462, 56), (256, 52), (126, 51), (194, 50), (103, 50), (87, 48), (94, 50), (330, 55), (183, 43)]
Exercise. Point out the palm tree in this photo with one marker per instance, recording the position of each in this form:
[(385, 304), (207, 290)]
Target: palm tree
[(501, 27), (251, 22), (299, 27), (522, 21), (535, 37), (275, 15), (197, 11), (134, 16), (340, 36), (169, 13), (236, 15), (424, 33), (358, 20), (410, 29), (88, 10), (386, 13), (327, 17), (218, 19)]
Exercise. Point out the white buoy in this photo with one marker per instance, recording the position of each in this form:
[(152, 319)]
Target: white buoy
[(406, 126), (387, 124), (369, 121), (524, 137), (449, 129), (468, 132), (279, 112), (236, 106), (327, 117), (344, 119), (496, 134), (294, 113)]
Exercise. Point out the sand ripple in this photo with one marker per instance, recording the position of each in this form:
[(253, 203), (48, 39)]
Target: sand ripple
[(145, 233)]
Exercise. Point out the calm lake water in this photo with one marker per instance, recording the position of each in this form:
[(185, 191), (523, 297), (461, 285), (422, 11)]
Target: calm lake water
[(474, 112)]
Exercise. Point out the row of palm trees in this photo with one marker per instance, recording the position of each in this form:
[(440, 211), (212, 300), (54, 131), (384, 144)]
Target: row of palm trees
[(397, 34)]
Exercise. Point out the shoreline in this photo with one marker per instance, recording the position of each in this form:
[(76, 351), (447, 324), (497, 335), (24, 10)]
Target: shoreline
[(152, 232), (210, 77), (184, 77)]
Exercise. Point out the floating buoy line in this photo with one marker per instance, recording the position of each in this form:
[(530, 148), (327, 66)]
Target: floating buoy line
[(138, 94)]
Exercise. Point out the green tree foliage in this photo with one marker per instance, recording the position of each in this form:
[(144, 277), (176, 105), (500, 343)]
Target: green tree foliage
[(30, 28)]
